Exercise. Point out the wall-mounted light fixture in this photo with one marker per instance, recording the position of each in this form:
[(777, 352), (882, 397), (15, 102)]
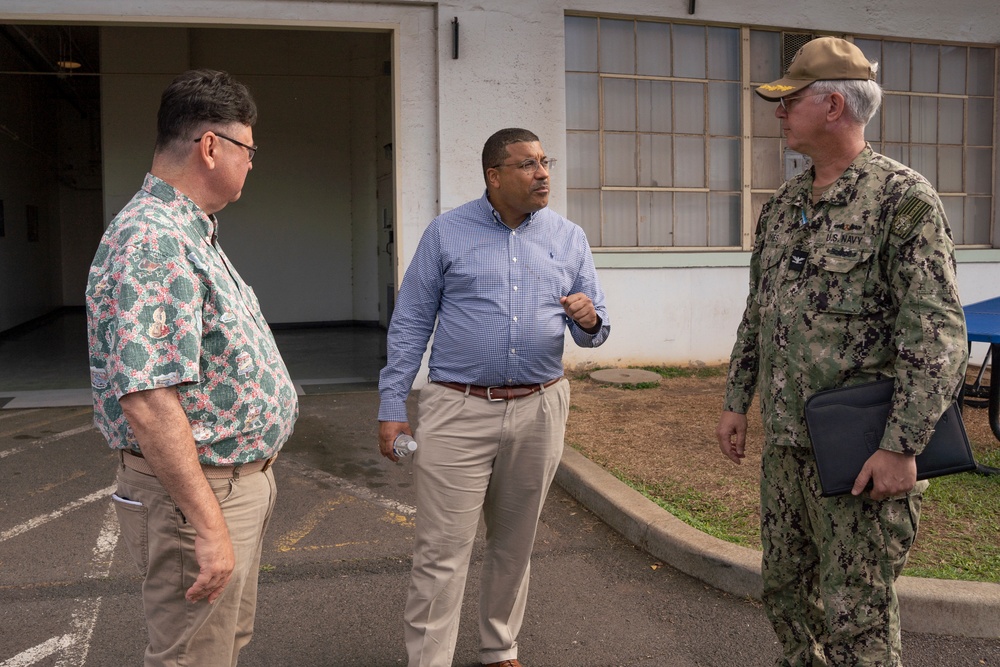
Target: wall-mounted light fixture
[(66, 60)]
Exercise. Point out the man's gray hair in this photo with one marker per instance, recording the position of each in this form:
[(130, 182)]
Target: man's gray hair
[(862, 98)]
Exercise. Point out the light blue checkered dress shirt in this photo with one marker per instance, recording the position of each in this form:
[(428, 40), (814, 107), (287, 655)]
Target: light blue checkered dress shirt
[(495, 295)]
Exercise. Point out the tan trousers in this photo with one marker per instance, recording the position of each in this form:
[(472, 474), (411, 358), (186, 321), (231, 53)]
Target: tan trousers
[(162, 544), (477, 457)]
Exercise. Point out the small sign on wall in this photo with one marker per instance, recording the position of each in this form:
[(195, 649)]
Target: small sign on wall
[(795, 163), (31, 213)]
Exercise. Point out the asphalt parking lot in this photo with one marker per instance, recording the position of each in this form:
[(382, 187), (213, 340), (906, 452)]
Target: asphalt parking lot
[(336, 566)]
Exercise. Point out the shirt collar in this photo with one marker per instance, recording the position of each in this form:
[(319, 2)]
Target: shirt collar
[(838, 192), (488, 207), (205, 225)]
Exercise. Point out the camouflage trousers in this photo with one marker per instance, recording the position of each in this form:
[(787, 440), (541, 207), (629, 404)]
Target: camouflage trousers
[(830, 565)]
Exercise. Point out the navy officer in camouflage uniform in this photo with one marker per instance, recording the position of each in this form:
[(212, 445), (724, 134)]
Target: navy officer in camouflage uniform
[(852, 279)]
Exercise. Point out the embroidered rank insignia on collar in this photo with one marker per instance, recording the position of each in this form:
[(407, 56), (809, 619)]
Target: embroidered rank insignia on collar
[(908, 215)]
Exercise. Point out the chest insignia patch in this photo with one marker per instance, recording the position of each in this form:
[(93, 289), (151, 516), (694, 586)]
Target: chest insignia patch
[(797, 260)]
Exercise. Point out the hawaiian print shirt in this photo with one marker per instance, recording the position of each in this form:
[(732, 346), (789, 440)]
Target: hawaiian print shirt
[(165, 307)]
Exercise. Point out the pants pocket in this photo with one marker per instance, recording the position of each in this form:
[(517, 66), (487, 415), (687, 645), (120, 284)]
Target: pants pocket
[(132, 519)]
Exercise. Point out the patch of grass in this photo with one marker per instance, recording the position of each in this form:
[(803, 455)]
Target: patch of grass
[(709, 515), (959, 522), (637, 385), (959, 533)]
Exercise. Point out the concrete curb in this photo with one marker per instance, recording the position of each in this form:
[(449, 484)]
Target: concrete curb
[(933, 606)]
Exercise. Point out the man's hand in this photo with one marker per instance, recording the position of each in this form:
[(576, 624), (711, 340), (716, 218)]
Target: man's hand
[(216, 560), (164, 434), (387, 432), (891, 474), (732, 435), (581, 310)]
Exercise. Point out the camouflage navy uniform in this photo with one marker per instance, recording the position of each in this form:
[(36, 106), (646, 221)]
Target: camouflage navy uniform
[(857, 287)]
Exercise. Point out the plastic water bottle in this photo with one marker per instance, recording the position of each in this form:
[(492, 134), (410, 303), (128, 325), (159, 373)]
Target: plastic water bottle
[(403, 445)]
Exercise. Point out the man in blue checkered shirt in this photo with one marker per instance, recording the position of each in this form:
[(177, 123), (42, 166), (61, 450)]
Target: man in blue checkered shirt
[(504, 277)]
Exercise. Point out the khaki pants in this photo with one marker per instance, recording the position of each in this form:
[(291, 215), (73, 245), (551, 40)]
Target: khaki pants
[(477, 457), (162, 544)]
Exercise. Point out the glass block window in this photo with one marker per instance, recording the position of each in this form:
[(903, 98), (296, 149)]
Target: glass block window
[(669, 148), (653, 132), (938, 117)]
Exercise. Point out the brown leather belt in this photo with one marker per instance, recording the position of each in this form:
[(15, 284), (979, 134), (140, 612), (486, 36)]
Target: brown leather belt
[(136, 462), (499, 393)]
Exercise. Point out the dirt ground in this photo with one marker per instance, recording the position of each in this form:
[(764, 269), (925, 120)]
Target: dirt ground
[(665, 437)]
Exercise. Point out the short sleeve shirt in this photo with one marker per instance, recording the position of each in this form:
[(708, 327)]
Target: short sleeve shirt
[(166, 308)]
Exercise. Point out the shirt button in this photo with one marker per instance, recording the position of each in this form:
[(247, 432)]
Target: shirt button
[(513, 351), (515, 259), (515, 288), (515, 318)]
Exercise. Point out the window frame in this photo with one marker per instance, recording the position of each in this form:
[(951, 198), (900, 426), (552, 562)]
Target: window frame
[(750, 198)]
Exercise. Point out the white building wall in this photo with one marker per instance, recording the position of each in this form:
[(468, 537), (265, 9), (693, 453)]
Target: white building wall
[(665, 307)]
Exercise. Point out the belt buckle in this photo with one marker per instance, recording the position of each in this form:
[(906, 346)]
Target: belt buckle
[(489, 394)]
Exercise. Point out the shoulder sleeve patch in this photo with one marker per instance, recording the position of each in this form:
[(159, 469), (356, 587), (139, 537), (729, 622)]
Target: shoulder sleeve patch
[(908, 215)]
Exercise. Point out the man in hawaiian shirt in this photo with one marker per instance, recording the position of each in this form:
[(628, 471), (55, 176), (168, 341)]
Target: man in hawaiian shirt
[(188, 383)]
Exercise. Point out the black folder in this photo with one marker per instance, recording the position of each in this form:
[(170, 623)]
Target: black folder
[(846, 426)]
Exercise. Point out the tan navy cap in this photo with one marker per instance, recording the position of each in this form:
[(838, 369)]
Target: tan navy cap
[(824, 58)]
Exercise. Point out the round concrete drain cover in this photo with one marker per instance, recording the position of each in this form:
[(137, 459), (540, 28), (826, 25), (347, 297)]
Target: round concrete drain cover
[(625, 376)]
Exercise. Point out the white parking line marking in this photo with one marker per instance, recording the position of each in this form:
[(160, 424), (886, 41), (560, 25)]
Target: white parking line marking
[(8, 415), (36, 654), (46, 440), (51, 516), (70, 649), (49, 438), (107, 540), (73, 647), (39, 424), (65, 434), (84, 620)]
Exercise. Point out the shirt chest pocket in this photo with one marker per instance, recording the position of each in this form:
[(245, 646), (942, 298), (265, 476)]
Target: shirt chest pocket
[(842, 280), (773, 268), (770, 272)]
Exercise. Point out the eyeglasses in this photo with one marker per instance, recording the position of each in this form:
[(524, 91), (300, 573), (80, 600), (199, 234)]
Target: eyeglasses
[(250, 149), (787, 102), (532, 165)]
